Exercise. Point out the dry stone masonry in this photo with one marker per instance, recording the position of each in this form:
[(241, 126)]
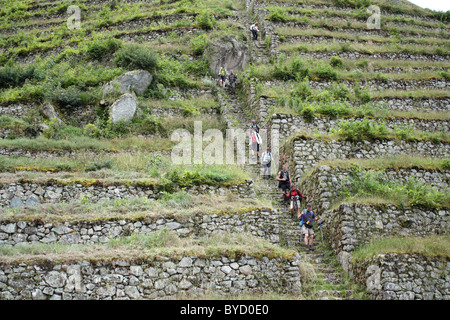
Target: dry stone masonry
[(289, 125), (396, 276), (353, 224), (19, 194), (121, 279), (323, 184), (308, 152), (260, 222)]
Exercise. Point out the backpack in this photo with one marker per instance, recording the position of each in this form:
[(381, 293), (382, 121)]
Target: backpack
[(307, 220), (266, 158), (287, 181), (256, 127), (297, 195)]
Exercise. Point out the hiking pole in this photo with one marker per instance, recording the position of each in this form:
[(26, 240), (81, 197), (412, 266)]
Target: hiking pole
[(321, 232)]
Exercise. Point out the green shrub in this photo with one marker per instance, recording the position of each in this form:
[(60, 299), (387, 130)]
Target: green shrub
[(295, 69), (340, 92), (136, 57), (70, 97), (336, 62), (204, 20), (91, 130), (442, 16), (120, 128), (13, 75), (361, 130), (375, 183), (403, 132), (98, 49), (67, 132), (151, 124), (98, 165), (197, 67), (308, 113), (199, 44), (189, 111), (302, 90), (446, 164), (324, 71), (352, 3), (278, 14), (333, 110), (363, 64), (446, 74), (345, 47), (361, 95)]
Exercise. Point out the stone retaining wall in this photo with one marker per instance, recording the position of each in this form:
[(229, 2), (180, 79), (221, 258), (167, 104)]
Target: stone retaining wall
[(372, 85), (319, 55), (289, 125), (179, 113), (397, 276), (297, 39), (352, 224), (323, 185), (15, 110), (260, 222), (156, 279), (422, 104), (19, 194), (260, 5), (308, 152), (259, 106)]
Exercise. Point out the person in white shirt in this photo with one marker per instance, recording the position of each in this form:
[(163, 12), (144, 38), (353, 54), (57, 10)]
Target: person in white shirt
[(266, 160), (254, 30)]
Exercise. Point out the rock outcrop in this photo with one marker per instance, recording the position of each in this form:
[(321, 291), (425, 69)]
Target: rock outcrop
[(123, 108), (228, 52), (137, 80)]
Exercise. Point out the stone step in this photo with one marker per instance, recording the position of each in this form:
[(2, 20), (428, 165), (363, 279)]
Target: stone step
[(290, 234), (332, 294)]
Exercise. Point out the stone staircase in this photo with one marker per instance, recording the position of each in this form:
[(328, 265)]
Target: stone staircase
[(259, 52), (323, 279)]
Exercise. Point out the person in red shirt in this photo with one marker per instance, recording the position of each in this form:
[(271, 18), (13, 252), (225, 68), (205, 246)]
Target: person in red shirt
[(295, 195)]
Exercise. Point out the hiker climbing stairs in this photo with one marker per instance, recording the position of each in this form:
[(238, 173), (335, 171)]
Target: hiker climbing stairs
[(325, 281)]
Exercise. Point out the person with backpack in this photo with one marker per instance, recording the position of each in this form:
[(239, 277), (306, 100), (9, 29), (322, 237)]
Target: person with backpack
[(254, 126), (295, 196), (284, 180), (306, 219), (232, 79), (266, 160), (255, 141), (254, 30), (223, 76)]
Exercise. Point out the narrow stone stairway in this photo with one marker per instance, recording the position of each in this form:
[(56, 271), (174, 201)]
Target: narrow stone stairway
[(322, 279)]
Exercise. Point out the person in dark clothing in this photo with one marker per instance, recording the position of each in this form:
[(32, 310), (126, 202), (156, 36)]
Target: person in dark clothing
[(284, 180), (254, 126), (232, 78)]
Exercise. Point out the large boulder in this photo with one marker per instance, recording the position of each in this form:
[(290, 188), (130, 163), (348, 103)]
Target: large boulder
[(137, 80), (123, 108), (228, 52), (49, 112)]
